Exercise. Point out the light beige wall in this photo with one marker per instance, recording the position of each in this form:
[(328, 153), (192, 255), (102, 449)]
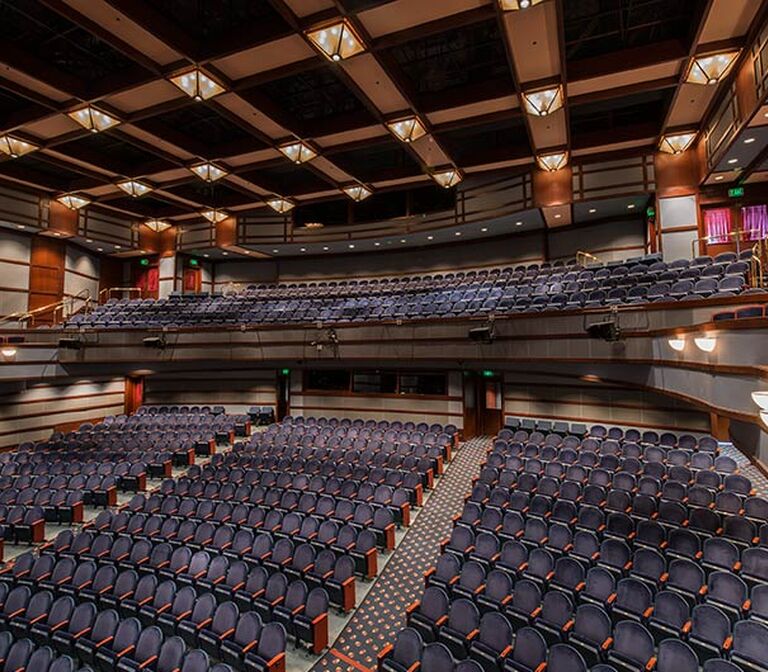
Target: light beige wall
[(447, 410), (14, 271), (577, 400), (31, 412)]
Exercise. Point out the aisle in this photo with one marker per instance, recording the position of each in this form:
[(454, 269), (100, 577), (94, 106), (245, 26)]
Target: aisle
[(382, 613)]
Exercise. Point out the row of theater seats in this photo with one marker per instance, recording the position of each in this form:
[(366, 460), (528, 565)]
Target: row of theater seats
[(613, 573), (508, 290)]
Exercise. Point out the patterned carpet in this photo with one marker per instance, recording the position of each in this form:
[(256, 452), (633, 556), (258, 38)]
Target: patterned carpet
[(382, 613)]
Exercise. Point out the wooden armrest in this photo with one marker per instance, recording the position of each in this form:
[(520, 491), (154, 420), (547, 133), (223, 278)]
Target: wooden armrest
[(606, 644)]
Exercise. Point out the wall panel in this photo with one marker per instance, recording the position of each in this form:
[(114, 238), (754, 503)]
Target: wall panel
[(81, 274), (15, 252), (235, 389), (32, 412)]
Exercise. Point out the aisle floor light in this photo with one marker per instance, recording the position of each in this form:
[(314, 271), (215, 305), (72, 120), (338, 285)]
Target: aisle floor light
[(93, 119), (197, 85)]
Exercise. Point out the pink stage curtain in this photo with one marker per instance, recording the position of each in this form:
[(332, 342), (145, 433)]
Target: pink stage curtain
[(754, 221), (717, 222)]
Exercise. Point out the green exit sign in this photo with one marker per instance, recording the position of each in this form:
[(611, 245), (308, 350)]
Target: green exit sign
[(285, 372), (736, 192), (194, 262), (488, 373), (144, 262)]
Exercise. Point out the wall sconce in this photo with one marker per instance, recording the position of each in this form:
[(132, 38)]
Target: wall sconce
[(705, 343), (677, 343), (760, 397)]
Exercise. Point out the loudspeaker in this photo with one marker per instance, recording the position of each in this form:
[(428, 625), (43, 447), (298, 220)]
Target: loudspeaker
[(607, 331), (157, 342), (481, 334), (70, 344)]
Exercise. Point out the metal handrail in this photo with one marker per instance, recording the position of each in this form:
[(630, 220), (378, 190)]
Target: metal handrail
[(736, 236), (582, 257), (56, 307), (107, 291)]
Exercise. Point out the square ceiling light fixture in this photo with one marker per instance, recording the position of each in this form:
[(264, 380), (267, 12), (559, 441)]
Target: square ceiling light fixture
[(514, 5), (197, 85), (357, 192), (710, 68), (298, 152), (208, 171), (408, 129), (134, 188), (93, 119), (157, 225), (552, 161), (15, 147), (447, 177), (73, 202), (677, 143), (280, 204), (214, 216), (336, 41), (541, 102)]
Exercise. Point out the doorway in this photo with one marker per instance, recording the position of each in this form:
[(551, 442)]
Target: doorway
[(483, 403), (283, 394), (193, 280)]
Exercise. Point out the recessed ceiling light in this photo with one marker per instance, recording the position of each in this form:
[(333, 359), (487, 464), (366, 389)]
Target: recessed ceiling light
[(377, 244), (214, 216), (281, 205), (552, 161), (558, 216), (246, 251), (197, 85), (710, 69), (93, 119), (225, 254), (357, 192), (732, 161), (208, 255), (298, 152), (749, 141), (592, 211), (458, 233), (118, 247), (303, 249), (541, 102), (430, 237), (484, 229), (15, 147), (402, 240), (447, 178), (351, 246), (73, 202), (275, 251), (337, 41), (134, 188), (631, 206), (518, 223), (208, 171), (514, 5), (157, 225), (677, 143), (719, 177), (99, 249), (326, 248), (21, 226), (407, 129)]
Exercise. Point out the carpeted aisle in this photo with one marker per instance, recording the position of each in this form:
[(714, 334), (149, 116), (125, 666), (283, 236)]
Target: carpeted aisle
[(382, 613)]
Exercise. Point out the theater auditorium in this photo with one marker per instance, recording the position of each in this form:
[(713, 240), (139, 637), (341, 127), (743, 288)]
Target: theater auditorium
[(384, 336)]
